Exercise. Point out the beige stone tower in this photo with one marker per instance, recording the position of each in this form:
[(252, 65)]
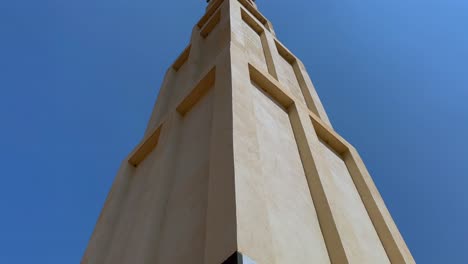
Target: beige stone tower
[(240, 164)]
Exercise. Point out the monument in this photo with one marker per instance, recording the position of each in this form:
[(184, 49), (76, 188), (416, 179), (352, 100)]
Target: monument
[(240, 164)]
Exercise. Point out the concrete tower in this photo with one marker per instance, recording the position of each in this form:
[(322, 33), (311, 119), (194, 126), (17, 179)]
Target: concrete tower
[(240, 164)]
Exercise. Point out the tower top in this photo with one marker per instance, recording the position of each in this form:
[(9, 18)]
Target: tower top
[(211, 2)]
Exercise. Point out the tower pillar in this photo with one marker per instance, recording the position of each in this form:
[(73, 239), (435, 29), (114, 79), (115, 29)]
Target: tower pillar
[(240, 164)]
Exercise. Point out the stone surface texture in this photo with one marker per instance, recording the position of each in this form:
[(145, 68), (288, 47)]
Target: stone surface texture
[(240, 156)]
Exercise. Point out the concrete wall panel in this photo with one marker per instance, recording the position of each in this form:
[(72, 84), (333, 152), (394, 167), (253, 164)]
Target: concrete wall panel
[(254, 47), (183, 237), (287, 76), (280, 187), (360, 240)]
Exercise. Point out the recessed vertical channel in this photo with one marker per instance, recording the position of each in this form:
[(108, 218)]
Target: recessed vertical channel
[(291, 75), (251, 9), (257, 44), (359, 237), (282, 221), (287, 74)]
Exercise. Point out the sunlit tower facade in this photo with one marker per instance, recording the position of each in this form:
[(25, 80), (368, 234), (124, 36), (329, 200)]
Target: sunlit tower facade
[(240, 164)]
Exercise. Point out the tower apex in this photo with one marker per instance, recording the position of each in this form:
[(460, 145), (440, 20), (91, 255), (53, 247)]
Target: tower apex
[(251, 2), (210, 1)]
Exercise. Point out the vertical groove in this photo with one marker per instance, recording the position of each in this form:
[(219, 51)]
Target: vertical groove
[(268, 56), (330, 233), (305, 90), (381, 225)]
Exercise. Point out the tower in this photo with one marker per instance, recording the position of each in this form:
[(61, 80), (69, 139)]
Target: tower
[(240, 164)]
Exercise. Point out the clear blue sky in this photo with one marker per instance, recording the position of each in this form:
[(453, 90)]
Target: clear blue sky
[(78, 80)]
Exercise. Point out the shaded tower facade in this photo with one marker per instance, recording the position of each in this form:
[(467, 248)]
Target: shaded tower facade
[(240, 164)]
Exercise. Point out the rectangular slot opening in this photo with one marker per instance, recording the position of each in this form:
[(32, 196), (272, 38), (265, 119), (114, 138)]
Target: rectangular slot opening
[(249, 20), (210, 26), (285, 53), (145, 147), (328, 136), (299, 76), (183, 57), (213, 6), (198, 92), (270, 86), (255, 13), (265, 58)]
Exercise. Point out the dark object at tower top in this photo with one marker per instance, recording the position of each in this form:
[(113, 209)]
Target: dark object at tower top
[(210, 0)]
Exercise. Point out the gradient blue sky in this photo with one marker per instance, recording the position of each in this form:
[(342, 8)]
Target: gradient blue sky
[(78, 80)]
